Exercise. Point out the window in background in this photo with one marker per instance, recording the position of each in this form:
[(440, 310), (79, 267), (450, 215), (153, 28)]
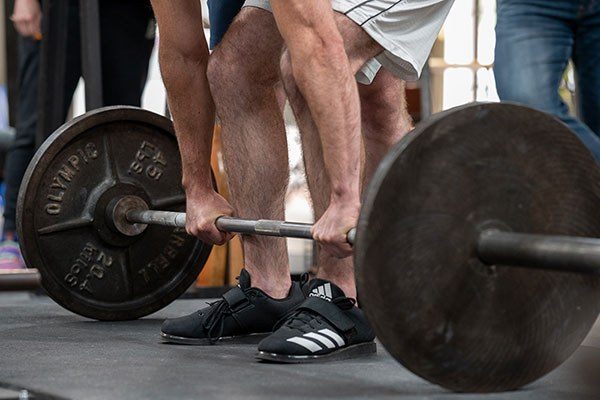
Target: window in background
[(463, 70), (458, 84)]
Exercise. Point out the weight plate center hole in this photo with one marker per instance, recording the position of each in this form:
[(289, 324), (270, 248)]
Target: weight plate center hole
[(116, 215), (481, 266)]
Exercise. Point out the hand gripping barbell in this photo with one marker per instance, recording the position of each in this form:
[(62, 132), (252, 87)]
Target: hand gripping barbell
[(476, 257)]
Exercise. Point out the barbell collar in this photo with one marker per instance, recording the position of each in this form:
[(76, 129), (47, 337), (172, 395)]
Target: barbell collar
[(562, 253), (262, 227)]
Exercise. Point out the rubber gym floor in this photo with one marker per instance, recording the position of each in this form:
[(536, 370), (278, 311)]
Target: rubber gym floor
[(53, 354)]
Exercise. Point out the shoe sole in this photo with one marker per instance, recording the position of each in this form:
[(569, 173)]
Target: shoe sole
[(345, 353), (253, 338)]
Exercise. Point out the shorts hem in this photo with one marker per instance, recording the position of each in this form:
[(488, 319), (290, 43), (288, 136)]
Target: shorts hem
[(367, 73), (393, 51), (260, 4)]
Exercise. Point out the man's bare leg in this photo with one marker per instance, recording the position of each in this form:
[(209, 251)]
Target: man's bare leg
[(243, 73), (324, 75), (385, 118), (379, 135)]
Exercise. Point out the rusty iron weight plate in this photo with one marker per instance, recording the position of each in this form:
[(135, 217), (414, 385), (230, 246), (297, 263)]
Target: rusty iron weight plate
[(435, 306), (86, 266)]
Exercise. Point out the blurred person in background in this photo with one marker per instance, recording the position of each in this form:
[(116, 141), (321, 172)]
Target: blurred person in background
[(535, 40), (127, 40)]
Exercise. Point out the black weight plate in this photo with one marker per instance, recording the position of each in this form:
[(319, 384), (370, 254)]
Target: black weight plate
[(438, 310), (86, 267)]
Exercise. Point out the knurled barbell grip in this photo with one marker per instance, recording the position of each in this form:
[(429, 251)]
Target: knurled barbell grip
[(263, 227)]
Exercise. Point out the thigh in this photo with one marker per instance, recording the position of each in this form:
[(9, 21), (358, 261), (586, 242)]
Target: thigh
[(359, 46), (534, 43), (386, 91), (127, 38), (251, 47), (384, 111), (587, 58)]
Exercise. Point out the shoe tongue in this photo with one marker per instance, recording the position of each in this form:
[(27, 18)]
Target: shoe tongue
[(324, 290), (244, 279)]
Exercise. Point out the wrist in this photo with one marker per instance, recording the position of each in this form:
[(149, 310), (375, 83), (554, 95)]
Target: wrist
[(345, 197), (197, 185)]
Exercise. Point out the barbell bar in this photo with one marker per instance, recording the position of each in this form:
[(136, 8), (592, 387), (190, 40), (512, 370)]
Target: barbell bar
[(263, 227)]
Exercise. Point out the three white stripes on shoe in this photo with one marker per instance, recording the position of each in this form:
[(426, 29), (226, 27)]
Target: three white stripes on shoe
[(325, 338), (314, 341)]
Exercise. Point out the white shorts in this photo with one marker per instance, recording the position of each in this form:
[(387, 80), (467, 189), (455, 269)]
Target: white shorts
[(406, 29)]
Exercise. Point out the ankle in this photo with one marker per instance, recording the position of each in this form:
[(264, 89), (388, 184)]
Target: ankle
[(275, 282), (277, 290), (347, 285), (339, 272)]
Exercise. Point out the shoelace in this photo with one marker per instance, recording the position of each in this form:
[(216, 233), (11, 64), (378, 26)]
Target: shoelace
[(219, 309), (215, 317), (299, 319)]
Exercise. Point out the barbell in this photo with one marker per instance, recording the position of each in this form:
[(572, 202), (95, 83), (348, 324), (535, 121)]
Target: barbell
[(264, 227), (476, 255)]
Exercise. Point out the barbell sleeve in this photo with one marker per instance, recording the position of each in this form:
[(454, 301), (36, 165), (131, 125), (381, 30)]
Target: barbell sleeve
[(263, 227), (19, 280), (562, 253)]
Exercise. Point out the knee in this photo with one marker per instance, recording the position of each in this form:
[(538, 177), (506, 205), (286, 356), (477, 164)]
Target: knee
[(381, 126), (540, 99), (530, 86), (238, 74), (513, 91), (384, 115), (224, 71)]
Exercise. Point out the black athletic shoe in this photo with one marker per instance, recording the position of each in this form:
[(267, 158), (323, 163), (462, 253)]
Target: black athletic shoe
[(242, 311), (326, 326)]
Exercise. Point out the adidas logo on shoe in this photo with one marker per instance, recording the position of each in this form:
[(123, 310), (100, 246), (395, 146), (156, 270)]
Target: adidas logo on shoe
[(323, 291), (325, 338)]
